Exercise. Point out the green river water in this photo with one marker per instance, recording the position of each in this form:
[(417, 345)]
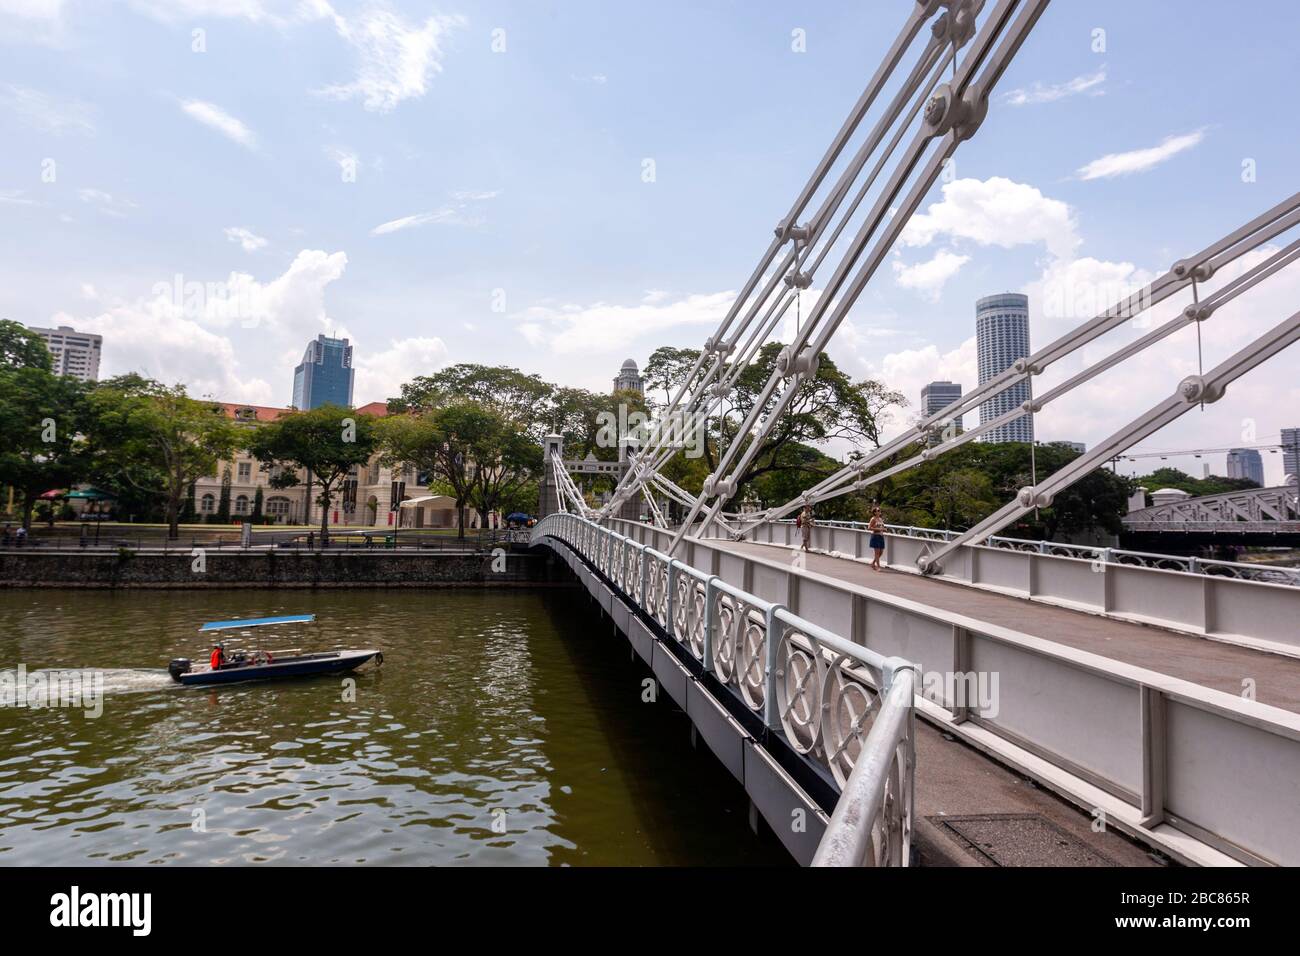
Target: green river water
[(509, 707)]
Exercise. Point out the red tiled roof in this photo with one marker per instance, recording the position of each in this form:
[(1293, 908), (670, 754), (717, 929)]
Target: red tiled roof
[(378, 409), (263, 413)]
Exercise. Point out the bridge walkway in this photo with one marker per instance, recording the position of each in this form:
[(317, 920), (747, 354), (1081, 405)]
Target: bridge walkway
[(1210, 663), (973, 811)]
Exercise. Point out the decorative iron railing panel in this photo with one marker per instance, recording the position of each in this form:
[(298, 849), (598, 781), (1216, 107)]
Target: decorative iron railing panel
[(831, 700)]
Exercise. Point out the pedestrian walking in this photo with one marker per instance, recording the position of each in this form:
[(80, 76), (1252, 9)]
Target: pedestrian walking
[(805, 523)]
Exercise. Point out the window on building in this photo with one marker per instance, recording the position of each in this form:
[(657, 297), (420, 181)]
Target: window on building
[(241, 505), (208, 504), (245, 470), (277, 507)]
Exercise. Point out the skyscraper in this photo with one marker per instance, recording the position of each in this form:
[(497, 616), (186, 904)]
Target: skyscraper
[(935, 397), (1002, 336), (75, 353), (1246, 463), (325, 374), (1290, 452)]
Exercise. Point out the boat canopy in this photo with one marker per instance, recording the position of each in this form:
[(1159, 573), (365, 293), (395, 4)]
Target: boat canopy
[(257, 622)]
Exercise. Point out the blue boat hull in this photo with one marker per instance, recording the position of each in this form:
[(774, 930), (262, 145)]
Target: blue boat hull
[(333, 662)]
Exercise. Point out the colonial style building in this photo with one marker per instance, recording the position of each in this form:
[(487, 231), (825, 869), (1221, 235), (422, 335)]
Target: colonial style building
[(371, 497)]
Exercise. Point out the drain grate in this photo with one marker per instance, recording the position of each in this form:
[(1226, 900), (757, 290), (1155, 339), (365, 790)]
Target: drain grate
[(1019, 839)]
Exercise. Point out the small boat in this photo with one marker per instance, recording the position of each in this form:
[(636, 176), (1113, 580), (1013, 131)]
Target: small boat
[(268, 665)]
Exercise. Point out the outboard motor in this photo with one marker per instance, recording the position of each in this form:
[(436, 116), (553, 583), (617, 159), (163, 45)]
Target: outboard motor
[(178, 667)]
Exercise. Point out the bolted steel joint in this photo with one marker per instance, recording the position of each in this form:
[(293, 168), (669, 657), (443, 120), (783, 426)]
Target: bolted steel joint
[(1198, 271), (1196, 388), (798, 280)]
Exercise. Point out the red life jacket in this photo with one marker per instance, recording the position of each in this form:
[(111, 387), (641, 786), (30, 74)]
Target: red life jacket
[(216, 658)]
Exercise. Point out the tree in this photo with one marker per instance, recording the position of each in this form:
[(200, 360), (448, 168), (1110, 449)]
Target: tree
[(41, 432), (256, 517), (20, 347), (328, 441), (158, 439), (480, 455), (1196, 487), (829, 406), (966, 485), (223, 501), (523, 398)]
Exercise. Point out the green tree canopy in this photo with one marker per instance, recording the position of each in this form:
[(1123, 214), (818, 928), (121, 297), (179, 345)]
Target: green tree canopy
[(827, 407), (484, 458), (157, 438), (42, 445), (20, 347), (328, 442)]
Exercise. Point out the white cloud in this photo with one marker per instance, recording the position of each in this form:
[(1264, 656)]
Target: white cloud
[(15, 197), (446, 214), (35, 21), (909, 370), (227, 338), (105, 202), (1089, 83), (248, 241), (214, 116), (928, 277), (995, 211), (146, 337), (603, 327), (256, 11), (380, 375), (47, 112), (457, 213), (397, 59), (1140, 160)]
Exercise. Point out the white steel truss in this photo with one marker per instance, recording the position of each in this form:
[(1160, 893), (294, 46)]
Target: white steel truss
[(942, 115)]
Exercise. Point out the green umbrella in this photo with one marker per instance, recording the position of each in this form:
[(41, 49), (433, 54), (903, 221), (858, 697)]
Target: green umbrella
[(91, 494)]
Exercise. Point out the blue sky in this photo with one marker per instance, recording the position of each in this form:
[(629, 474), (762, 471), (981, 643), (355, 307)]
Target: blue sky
[(464, 183)]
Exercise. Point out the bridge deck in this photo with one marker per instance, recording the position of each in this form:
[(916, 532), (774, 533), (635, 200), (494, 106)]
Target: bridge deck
[(1209, 663)]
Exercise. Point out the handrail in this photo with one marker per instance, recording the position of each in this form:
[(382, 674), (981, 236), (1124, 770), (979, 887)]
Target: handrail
[(1184, 564), (809, 686)]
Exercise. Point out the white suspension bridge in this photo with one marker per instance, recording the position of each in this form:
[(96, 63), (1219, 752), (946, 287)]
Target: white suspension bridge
[(1161, 698)]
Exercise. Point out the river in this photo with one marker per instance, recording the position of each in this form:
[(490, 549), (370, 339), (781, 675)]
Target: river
[(504, 727)]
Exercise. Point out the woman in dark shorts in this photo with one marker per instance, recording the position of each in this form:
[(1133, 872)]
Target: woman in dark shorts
[(877, 528)]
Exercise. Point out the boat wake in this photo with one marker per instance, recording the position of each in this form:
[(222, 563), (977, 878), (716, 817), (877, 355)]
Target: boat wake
[(113, 680)]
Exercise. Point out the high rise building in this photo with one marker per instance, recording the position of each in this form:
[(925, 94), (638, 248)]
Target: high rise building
[(1290, 452), (75, 353), (937, 396), (1002, 336), (325, 375), (1246, 463), (629, 379)]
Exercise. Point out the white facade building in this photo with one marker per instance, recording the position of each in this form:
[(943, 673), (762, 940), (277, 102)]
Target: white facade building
[(629, 379), (75, 353), (1002, 336)]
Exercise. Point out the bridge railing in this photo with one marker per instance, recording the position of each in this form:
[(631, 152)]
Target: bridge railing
[(845, 709), (1193, 770), (1213, 599), (1147, 559)]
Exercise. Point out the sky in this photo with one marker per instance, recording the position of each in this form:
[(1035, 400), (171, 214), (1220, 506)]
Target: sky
[(212, 183)]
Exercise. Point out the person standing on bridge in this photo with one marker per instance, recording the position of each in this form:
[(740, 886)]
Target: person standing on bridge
[(806, 526), (877, 528)]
